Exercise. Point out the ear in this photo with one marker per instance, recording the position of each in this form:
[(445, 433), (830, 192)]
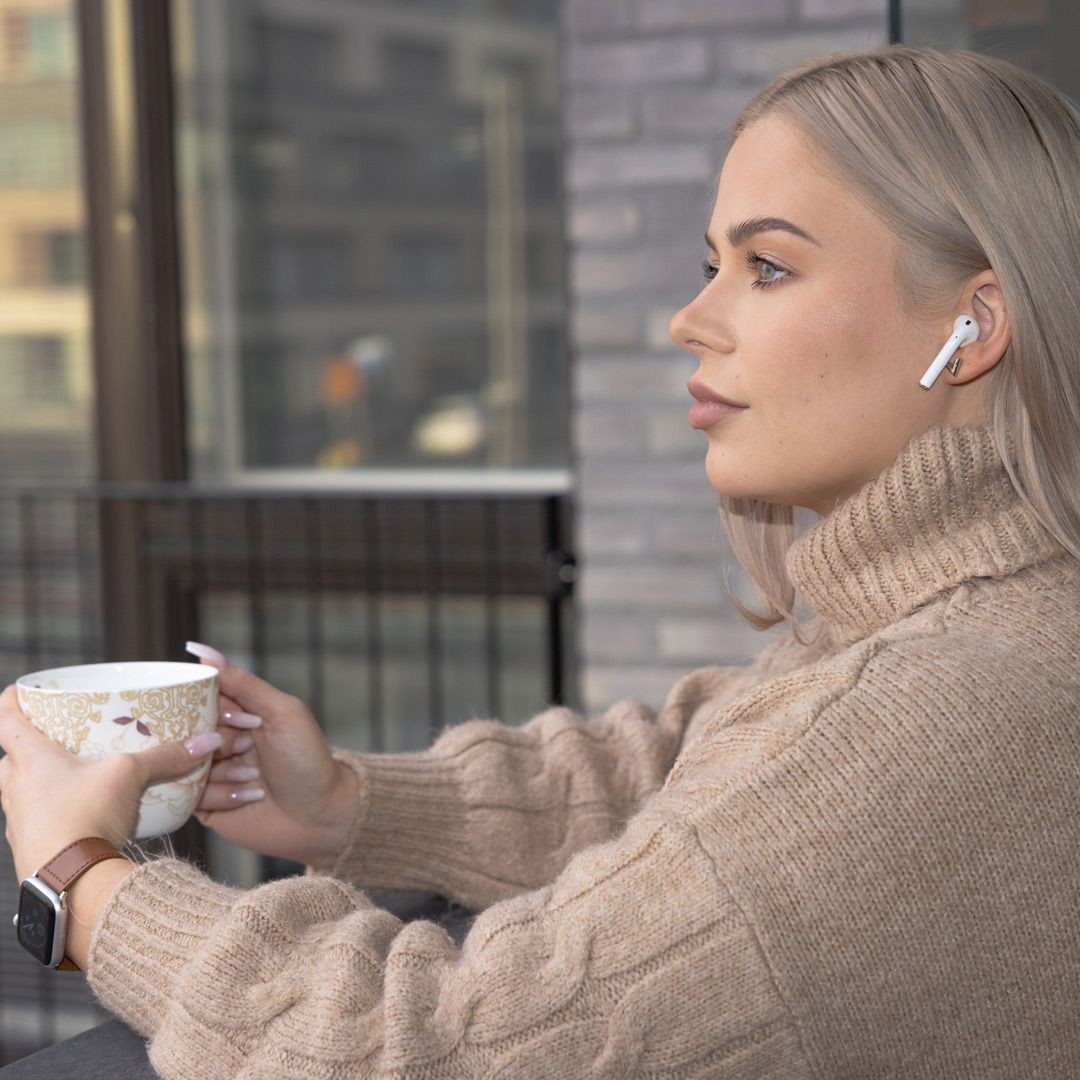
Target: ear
[(987, 302)]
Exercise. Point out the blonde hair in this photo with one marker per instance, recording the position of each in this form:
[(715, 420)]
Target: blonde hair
[(952, 150)]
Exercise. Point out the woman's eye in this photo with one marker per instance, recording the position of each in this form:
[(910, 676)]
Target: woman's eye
[(753, 259)]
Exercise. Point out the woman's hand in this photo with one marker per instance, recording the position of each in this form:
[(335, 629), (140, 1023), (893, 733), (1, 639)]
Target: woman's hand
[(50, 797), (311, 800)]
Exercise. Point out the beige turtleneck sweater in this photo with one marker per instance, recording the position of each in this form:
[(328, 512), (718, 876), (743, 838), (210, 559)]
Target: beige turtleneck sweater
[(858, 863)]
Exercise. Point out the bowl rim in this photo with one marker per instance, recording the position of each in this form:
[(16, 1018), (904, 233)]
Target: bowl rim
[(199, 673)]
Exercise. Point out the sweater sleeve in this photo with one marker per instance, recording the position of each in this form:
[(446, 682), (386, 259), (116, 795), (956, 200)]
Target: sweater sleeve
[(490, 810), (635, 961)]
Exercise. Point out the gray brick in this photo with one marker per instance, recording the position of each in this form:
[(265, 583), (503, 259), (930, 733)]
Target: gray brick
[(656, 486), (707, 14), (587, 18), (698, 534), (602, 636), (645, 379), (657, 321), (600, 168), (651, 89), (611, 533), (677, 213), (608, 326), (812, 11), (671, 436), (638, 268), (632, 63), (760, 59), (600, 113), (723, 638), (606, 220), (708, 112), (604, 684), (608, 433), (679, 587)]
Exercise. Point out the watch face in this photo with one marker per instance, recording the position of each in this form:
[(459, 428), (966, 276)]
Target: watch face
[(37, 922)]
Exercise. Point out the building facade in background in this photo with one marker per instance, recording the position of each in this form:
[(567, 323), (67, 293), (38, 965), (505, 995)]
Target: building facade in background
[(424, 247)]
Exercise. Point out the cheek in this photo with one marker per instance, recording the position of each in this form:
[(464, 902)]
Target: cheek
[(820, 346)]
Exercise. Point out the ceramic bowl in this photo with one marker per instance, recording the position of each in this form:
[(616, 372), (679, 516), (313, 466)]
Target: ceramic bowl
[(94, 710)]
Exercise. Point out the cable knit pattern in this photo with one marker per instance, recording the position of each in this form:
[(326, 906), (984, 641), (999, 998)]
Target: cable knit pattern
[(857, 862)]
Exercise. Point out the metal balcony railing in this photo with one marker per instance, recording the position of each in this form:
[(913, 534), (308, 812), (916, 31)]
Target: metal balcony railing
[(391, 616)]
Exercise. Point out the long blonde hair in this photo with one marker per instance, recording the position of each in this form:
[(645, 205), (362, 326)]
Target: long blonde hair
[(953, 150)]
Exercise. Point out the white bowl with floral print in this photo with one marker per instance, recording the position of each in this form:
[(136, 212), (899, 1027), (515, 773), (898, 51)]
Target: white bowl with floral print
[(95, 710)]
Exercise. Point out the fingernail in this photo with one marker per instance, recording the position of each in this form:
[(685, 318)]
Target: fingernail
[(242, 743), (247, 795), (242, 719), (201, 745), (206, 652)]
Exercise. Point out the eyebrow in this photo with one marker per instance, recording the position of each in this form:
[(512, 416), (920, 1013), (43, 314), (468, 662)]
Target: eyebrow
[(740, 232)]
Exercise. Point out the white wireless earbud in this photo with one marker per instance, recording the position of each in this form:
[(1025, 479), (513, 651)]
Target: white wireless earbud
[(965, 331)]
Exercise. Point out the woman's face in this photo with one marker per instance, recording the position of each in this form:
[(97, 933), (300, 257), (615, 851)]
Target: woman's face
[(823, 355)]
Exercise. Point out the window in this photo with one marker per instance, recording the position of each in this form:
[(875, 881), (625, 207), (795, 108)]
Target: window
[(373, 263)]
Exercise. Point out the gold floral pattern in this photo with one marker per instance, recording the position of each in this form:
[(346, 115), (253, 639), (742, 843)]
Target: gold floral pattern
[(170, 712), (65, 718), (84, 724)]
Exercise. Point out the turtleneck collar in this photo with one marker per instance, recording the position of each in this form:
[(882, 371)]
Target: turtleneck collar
[(942, 512)]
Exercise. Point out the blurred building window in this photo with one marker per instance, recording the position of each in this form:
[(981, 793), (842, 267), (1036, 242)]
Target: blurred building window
[(1039, 35), (38, 152), (371, 239), (415, 66), (35, 369), (50, 44), (46, 409)]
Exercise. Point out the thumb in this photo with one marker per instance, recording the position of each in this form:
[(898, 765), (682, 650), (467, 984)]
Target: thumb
[(252, 694), (172, 760)]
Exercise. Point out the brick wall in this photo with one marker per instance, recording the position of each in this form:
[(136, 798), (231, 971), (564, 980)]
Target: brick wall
[(650, 89)]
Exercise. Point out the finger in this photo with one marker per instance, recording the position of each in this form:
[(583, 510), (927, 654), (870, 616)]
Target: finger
[(226, 703), (246, 689), (229, 796), (234, 716), (172, 760), (233, 770), (16, 726), (233, 742), (231, 718)]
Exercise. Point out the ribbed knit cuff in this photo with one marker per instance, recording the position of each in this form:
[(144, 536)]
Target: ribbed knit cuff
[(411, 829), (148, 930)]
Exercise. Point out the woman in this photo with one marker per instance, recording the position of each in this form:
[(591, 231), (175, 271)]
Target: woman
[(855, 857)]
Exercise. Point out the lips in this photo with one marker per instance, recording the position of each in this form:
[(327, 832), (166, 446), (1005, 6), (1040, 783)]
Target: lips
[(699, 390)]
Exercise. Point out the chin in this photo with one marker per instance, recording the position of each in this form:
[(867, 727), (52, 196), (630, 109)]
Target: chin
[(721, 482), (726, 474)]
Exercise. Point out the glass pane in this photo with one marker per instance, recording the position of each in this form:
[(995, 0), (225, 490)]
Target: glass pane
[(1039, 35), (371, 237), (46, 407)]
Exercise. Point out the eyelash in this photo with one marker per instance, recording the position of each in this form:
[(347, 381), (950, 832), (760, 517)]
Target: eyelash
[(752, 260)]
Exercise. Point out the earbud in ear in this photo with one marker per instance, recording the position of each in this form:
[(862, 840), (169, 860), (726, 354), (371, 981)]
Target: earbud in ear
[(965, 331)]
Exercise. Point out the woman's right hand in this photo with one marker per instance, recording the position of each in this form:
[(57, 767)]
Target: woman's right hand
[(311, 799)]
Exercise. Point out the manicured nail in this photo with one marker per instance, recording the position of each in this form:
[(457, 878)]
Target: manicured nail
[(242, 743), (242, 719), (201, 745), (206, 652), (247, 795), (240, 773)]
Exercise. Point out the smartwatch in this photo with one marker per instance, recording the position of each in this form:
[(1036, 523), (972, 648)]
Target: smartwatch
[(41, 921)]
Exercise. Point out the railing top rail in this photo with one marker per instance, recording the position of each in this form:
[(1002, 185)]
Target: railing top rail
[(183, 490)]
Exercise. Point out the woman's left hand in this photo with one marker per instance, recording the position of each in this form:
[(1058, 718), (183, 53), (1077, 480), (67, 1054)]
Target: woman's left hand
[(50, 797)]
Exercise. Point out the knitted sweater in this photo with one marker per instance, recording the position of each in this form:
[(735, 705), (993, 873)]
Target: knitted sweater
[(857, 862)]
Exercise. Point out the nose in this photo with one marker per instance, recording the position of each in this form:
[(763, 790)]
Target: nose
[(680, 329)]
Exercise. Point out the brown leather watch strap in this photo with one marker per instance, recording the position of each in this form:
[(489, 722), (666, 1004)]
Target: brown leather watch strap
[(66, 865)]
